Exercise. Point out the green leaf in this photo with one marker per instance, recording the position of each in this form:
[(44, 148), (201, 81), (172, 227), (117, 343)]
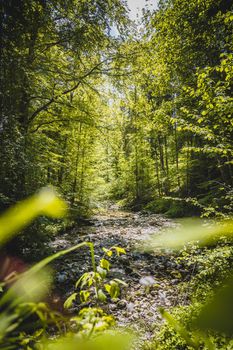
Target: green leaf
[(84, 296), (69, 301), (101, 295), (86, 279), (113, 289), (105, 264), (217, 313), (119, 250), (108, 252), (204, 112), (27, 288), (107, 287), (46, 202), (105, 341), (102, 272)]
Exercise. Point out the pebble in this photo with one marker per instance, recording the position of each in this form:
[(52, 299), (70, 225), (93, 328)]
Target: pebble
[(122, 304)]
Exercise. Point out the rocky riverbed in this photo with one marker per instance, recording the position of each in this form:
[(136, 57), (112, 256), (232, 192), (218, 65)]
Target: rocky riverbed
[(138, 305)]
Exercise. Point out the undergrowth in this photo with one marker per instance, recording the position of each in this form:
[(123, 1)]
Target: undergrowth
[(208, 267)]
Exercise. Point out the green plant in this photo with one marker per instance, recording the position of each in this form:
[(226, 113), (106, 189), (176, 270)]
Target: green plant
[(92, 320), (93, 285)]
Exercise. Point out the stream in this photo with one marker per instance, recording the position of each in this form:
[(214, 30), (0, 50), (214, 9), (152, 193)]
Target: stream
[(138, 305)]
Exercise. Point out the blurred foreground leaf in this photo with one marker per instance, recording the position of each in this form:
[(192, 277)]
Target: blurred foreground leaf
[(46, 202), (26, 289), (190, 231), (114, 341), (31, 286), (217, 314)]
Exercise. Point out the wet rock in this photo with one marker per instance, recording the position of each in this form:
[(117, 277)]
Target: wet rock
[(112, 307), (122, 304), (130, 307), (117, 273), (136, 256), (147, 281), (175, 281), (61, 277), (129, 270)]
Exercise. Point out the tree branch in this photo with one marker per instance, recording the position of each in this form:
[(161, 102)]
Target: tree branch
[(58, 121), (73, 88)]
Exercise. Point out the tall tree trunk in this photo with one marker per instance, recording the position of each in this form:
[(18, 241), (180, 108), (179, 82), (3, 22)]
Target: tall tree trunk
[(166, 155), (167, 189), (177, 157), (161, 154), (60, 174), (187, 167), (156, 160), (82, 169), (74, 185)]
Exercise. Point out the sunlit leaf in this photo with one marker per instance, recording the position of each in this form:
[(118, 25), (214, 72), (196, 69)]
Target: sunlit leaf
[(105, 264), (69, 301), (119, 250), (108, 252), (29, 287), (190, 231), (113, 289), (46, 202), (115, 341), (84, 296), (101, 295)]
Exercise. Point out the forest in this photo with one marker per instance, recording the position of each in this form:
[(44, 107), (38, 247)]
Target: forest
[(116, 187)]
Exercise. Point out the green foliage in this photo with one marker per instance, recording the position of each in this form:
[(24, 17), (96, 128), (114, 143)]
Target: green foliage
[(94, 284), (80, 115), (24, 319), (92, 320), (105, 341), (194, 343), (172, 207), (169, 337), (215, 312), (143, 118), (172, 132), (53, 60), (45, 203)]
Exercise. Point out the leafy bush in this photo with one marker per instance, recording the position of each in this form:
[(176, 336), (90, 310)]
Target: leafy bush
[(172, 207)]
